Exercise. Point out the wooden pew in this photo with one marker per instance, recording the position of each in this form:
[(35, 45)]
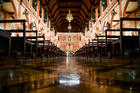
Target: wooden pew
[(5, 43), (46, 45), (50, 50), (34, 41), (113, 40), (98, 45), (41, 45), (125, 42), (59, 52), (133, 39), (19, 41)]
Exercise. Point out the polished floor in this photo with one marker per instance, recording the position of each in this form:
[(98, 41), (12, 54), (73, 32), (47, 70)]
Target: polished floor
[(69, 75)]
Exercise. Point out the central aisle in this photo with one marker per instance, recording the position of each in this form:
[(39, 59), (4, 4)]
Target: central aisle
[(70, 76)]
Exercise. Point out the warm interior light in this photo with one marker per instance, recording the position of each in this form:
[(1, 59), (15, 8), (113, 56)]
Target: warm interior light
[(69, 27), (69, 16), (69, 79)]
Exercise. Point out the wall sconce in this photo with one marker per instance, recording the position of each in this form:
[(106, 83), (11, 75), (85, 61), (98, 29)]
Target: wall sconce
[(108, 25), (25, 12), (113, 12)]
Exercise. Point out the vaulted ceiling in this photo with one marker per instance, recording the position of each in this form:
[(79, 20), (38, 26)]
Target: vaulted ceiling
[(58, 9)]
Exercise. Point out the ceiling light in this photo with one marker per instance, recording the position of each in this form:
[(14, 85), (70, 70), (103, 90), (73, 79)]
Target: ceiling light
[(69, 16), (69, 27)]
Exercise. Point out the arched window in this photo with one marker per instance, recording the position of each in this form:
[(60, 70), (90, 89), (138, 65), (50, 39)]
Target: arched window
[(34, 4), (104, 4)]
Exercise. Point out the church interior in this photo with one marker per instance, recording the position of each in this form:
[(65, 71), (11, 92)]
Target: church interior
[(69, 46)]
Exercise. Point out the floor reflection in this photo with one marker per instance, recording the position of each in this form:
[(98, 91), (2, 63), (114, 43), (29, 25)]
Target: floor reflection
[(69, 79), (69, 75)]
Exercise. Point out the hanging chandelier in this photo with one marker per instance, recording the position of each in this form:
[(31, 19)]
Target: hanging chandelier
[(69, 27), (69, 16)]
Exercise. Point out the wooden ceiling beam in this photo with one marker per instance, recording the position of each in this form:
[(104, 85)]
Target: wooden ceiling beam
[(69, 1), (56, 3), (63, 17), (59, 29), (85, 19), (83, 15), (78, 21), (78, 13)]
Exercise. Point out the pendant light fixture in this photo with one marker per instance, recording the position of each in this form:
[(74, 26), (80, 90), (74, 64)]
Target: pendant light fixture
[(69, 17), (69, 27)]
